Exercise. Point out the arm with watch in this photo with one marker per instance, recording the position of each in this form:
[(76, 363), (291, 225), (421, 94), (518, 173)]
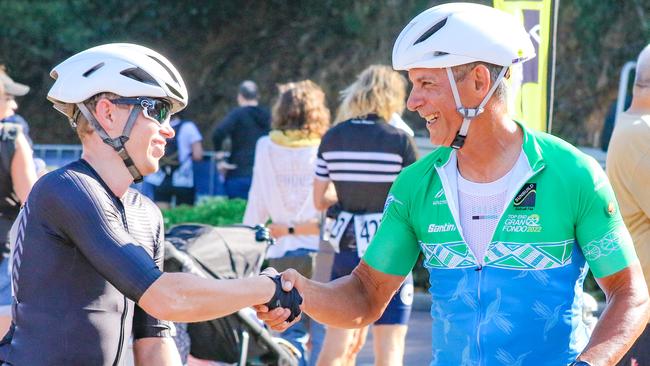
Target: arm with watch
[(302, 228)]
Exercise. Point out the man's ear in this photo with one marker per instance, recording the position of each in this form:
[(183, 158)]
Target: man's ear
[(105, 114), (481, 82)]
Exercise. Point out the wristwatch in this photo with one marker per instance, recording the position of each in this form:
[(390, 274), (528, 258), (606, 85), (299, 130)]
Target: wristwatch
[(579, 363), (291, 230)]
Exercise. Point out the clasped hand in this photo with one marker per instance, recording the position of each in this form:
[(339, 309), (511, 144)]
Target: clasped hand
[(283, 310), (283, 299)]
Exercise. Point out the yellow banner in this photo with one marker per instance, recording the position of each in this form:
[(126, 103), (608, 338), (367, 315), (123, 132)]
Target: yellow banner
[(531, 83)]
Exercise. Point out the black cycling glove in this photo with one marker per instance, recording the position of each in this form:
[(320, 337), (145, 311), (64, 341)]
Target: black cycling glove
[(282, 299)]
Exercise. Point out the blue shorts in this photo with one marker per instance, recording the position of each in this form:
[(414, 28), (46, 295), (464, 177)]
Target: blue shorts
[(398, 310)]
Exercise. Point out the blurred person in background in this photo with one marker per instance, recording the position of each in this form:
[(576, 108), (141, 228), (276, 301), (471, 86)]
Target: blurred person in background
[(13, 90), (628, 168), (282, 185), (173, 183), (362, 156), (244, 125), (17, 176)]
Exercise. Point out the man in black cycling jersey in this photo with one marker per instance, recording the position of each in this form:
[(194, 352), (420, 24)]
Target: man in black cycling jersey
[(87, 249)]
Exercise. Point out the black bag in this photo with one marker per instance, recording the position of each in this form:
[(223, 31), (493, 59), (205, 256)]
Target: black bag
[(224, 253)]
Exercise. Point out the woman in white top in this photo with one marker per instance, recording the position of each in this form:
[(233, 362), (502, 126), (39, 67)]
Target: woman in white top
[(282, 188)]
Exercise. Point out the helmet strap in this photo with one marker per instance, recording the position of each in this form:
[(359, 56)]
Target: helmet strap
[(118, 143), (469, 113)]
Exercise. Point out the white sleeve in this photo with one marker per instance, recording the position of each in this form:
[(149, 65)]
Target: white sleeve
[(256, 210), (190, 133)]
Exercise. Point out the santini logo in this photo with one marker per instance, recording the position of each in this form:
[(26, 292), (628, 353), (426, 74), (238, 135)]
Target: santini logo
[(444, 228), (525, 199)]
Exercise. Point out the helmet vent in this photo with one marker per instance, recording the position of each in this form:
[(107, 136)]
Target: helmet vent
[(93, 69), (439, 53), (140, 75), (173, 90), (436, 27), (164, 67)]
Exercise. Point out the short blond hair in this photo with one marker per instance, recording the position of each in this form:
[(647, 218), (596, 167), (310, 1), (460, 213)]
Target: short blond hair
[(84, 127), (377, 90), (301, 106)]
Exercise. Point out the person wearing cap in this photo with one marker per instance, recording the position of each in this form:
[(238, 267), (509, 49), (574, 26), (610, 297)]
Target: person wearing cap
[(87, 250), (13, 90), (509, 220), (244, 125), (9, 115), (17, 176)]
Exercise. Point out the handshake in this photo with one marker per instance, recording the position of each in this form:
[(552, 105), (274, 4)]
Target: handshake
[(282, 299)]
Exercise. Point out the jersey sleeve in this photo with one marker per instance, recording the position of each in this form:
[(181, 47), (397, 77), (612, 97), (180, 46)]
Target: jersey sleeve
[(145, 325), (84, 213), (600, 231), (394, 248)]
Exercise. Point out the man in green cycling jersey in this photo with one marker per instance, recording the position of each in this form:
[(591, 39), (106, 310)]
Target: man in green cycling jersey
[(509, 220)]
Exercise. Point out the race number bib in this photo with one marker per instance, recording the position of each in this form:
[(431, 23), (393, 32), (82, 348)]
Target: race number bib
[(338, 228), (365, 227)]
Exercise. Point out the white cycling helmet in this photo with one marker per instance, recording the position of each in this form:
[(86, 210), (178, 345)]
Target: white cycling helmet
[(461, 33), (125, 69)]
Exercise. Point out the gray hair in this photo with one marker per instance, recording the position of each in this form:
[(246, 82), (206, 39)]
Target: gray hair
[(500, 93)]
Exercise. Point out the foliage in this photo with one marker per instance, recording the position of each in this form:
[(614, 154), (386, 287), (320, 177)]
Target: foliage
[(595, 39), (212, 211), (216, 44)]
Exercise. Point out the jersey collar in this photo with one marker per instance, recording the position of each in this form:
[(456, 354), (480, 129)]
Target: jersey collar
[(531, 148)]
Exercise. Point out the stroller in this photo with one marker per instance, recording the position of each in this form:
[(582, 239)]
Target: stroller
[(226, 253)]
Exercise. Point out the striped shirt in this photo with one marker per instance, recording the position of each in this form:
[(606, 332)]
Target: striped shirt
[(363, 158)]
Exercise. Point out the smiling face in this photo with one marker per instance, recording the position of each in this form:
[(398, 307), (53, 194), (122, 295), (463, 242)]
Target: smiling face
[(147, 141), (432, 98)]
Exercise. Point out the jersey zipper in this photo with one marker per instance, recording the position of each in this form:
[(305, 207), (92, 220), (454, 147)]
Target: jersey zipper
[(122, 324), (479, 315), (451, 199), (126, 305)]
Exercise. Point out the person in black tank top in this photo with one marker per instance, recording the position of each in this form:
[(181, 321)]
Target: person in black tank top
[(17, 176), (360, 158)]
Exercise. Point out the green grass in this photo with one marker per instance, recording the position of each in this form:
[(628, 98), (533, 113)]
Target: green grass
[(211, 211)]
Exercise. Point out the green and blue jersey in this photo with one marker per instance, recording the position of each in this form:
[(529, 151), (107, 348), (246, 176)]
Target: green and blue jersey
[(522, 302)]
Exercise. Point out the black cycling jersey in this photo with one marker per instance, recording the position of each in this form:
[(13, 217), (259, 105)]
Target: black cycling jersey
[(362, 157), (81, 258)]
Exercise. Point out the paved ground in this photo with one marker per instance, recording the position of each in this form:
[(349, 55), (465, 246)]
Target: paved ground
[(418, 342)]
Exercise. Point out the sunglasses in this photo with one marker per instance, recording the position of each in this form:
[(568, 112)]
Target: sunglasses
[(155, 109)]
